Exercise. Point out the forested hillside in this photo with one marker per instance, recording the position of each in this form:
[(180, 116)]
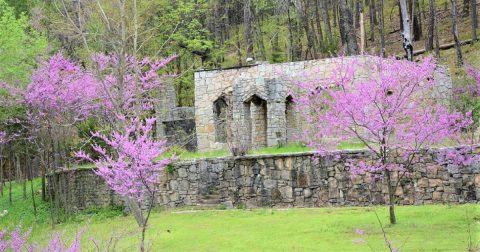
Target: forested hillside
[(207, 34)]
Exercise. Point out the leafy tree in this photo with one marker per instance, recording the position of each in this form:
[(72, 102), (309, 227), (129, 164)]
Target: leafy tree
[(20, 46)]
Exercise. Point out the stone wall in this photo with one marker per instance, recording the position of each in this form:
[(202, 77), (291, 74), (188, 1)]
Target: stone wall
[(293, 180), (270, 84), (175, 124)]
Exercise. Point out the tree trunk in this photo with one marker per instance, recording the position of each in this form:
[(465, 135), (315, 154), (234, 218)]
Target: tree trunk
[(431, 27), (456, 38), (334, 5), (31, 188), (247, 21), (391, 199), (466, 7), (290, 35), (319, 26), (239, 47), (362, 34), (371, 14), (474, 19), (358, 11), (437, 40), (349, 29), (326, 19), (381, 27), (417, 21), (311, 50), (406, 34)]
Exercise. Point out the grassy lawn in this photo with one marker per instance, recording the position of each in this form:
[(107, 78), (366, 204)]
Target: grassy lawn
[(419, 228), (289, 148)]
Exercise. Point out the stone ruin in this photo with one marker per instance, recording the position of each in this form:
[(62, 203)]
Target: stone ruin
[(175, 124), (257, 98)]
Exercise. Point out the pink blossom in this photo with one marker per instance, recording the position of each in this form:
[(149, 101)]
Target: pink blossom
[(132, 170), (386, 104)]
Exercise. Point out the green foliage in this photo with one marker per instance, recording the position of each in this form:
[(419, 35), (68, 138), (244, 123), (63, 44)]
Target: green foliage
[(20, 46), (84, 131), (185, 87)]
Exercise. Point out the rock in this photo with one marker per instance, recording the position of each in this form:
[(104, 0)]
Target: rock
[(423, 183), (477, 180), (228, 204), (437, 196), (307, 193), (435, 182)]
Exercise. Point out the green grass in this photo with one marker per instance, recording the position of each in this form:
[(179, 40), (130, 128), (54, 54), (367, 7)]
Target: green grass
[(289, 148), (419, 228)]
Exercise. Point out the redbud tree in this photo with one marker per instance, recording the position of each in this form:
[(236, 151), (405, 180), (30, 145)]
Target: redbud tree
[(386, 104)]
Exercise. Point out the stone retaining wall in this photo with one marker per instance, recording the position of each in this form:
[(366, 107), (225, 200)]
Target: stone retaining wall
[(290, 180)]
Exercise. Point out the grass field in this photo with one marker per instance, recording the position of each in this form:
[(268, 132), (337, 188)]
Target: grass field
[(419, 228)]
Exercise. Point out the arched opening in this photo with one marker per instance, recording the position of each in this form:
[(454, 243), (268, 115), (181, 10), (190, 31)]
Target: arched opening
[(257, 118), (220, 109), (291, 120)]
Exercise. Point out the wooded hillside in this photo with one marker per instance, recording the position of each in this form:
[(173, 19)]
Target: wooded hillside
[(209, 34)]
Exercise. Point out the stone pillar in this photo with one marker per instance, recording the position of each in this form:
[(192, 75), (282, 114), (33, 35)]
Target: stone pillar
[(164, 109), (277, 126)]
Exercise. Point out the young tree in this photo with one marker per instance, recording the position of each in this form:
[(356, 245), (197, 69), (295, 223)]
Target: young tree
[(131, 170), (385, 104)]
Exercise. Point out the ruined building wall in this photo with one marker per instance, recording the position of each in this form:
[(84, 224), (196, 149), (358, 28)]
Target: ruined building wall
[(175, 124), (257, 88)]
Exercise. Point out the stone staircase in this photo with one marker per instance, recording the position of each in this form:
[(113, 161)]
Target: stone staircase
[(210, 200)]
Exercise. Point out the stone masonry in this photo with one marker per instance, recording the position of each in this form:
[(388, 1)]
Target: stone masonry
[(175, 124), (261, 100), (290, 180)]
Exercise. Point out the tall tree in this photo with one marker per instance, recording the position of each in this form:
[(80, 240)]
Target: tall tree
[(381, 28), (431, 27), (326, 18), (406, 34), (247, 21), (456, 37), (474, 19), (417, 21), (311, 51), (347, 25), (371, 14)]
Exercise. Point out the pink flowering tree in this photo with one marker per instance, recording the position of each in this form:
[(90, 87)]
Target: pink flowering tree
[(385, 104), (132, 169), (17, 241)]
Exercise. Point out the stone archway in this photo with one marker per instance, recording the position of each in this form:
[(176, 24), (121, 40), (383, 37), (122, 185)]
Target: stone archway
[(220, 109), (291, 120), (256, 116)]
